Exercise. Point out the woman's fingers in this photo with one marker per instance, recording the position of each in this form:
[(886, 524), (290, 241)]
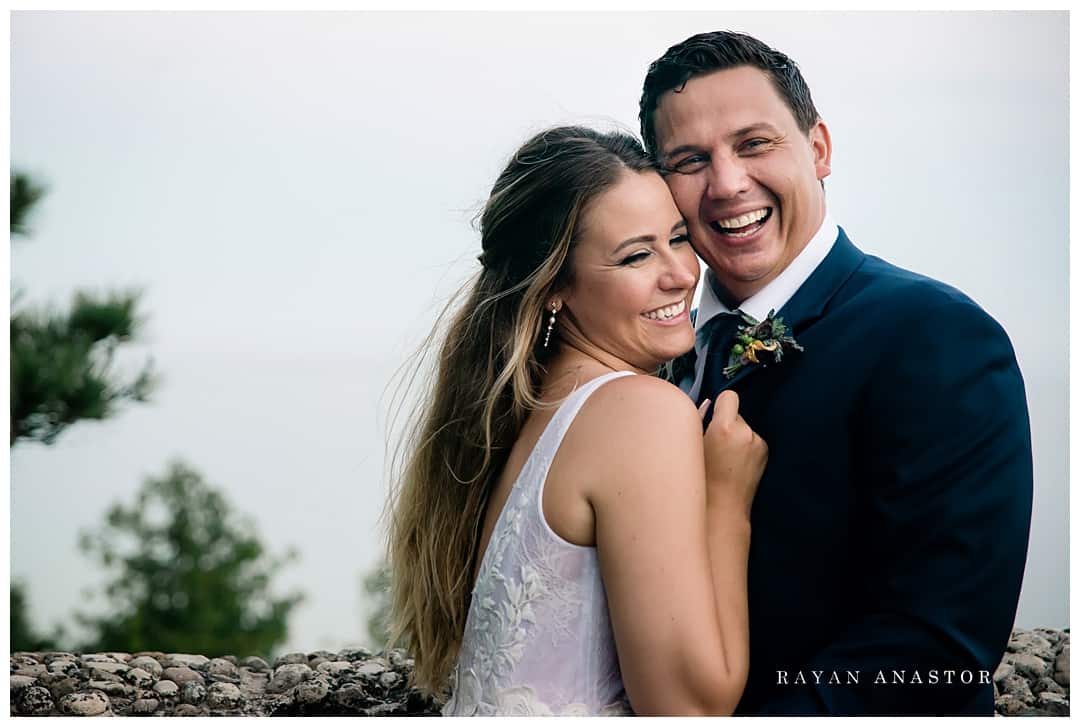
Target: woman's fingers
[(726, 408)]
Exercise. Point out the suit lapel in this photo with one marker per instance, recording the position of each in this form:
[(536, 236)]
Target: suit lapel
[(810, 300)]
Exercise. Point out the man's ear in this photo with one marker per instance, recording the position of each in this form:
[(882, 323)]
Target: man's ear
[(821, 147)]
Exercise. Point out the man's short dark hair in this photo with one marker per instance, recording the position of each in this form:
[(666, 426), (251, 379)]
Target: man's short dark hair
[(716, 51)]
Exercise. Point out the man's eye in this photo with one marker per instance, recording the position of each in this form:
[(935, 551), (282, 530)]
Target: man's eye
[(690, 164), (755, 145)]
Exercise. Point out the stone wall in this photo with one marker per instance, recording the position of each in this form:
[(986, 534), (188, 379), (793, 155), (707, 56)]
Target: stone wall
[(1033, 679)]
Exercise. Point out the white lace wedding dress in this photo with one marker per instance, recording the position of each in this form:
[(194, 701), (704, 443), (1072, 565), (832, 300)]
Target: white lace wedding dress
[(538, 637)]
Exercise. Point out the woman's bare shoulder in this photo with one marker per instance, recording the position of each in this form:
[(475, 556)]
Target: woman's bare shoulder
[(638, 414), (638, 394)]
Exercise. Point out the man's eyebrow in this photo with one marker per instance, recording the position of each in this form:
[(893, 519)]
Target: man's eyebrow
[(760, 126), (680, 149), (645, 238)]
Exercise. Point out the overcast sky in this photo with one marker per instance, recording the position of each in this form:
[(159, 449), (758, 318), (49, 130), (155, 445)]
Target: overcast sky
[(293, 193)]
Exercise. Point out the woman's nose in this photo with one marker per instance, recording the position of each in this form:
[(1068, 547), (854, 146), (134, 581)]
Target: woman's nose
[(680, 273)]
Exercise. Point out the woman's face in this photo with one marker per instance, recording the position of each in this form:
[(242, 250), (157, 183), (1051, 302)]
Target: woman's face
[(634, 274)]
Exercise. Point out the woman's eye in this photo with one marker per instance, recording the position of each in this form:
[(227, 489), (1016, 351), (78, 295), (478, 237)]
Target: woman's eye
[(679, 239), (635, 258)]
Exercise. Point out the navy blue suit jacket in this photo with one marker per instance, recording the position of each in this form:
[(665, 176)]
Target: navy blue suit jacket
[(890, 529)]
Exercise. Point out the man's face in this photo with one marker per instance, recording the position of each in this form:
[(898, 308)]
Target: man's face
[(744, 176)]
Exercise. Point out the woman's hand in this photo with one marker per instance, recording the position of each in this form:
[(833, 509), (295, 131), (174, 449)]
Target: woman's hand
[(735, 455)]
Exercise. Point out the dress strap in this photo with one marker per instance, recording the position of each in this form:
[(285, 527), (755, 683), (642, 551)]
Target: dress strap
[(570, 407)]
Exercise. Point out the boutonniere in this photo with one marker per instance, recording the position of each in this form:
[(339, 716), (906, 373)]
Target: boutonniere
[(759, 343)]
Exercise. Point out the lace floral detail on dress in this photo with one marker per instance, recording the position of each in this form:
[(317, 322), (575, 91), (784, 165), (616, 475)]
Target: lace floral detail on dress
[(520, 701), (537, 638)]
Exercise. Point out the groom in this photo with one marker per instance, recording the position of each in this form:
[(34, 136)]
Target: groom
[(890, 528)]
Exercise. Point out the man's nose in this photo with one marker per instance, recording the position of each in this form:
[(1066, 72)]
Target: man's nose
[(726, 177)]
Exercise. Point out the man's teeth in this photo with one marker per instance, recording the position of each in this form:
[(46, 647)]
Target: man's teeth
[(663, 314), (749, 218)]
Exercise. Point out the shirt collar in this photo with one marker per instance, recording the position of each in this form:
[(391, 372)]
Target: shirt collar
[(780, 289)]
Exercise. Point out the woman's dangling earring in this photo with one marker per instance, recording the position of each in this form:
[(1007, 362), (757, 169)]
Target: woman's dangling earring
[(551, 324)]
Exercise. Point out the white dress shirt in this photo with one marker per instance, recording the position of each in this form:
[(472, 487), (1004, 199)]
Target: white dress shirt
[(770, 298)]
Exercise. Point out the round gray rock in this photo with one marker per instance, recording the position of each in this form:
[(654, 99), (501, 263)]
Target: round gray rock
[(182, 675), (20, 660), (192, 693), (255, 663), (292, 658), (1030, 642), (397, 658), (223, 695), (167, 688), (312, 691), (85, 704), (1046, 684), (31, 670), (63, 666), (1017, 686), (34, 700), (19, 683), (106, 667), (188, 710), (156, 655), (370, 670), (144, 706), (222, 667), (1054, 704), (147, 664), (1003, 670), (191, 661), (354, 654), (335, 668), (140, 677), (288, 676), (85, 659), (1028, 665), (1061, 667), (351, 696), (62, 687), (1010, 705), (51, 656), (113, 689), (389, 679)]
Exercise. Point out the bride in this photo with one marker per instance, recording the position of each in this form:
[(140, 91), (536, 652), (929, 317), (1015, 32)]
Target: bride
[(563, 539)]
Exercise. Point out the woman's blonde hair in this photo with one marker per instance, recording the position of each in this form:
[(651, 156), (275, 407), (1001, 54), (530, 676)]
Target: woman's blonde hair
[(488, 373)]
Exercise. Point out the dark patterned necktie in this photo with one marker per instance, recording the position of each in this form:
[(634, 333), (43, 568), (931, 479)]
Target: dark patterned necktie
[(721, 338)]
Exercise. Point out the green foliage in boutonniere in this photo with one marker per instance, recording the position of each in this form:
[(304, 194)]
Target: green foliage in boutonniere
[(759, 343)]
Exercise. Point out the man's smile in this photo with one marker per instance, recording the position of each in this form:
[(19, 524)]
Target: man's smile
[(742, 225)]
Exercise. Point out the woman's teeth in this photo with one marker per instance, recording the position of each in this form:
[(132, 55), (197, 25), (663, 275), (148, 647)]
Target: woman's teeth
[(667, 312)]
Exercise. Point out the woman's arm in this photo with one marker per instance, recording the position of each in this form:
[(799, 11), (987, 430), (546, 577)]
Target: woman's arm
[(673, 543)]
